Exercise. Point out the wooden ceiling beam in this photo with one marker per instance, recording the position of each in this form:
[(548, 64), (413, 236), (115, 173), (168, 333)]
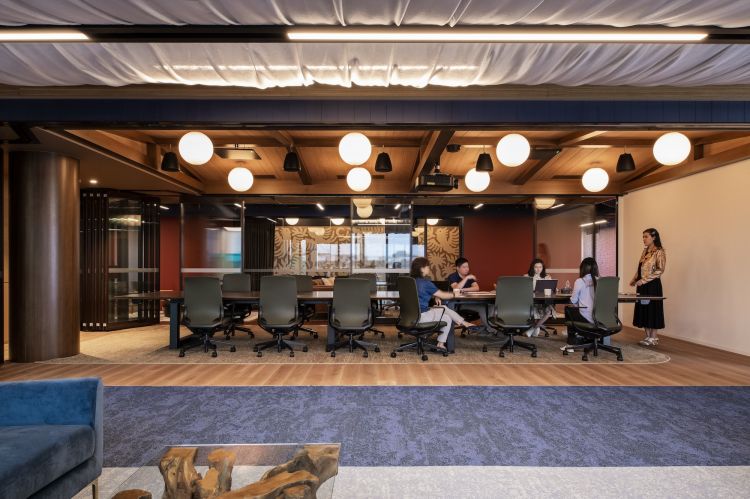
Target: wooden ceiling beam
[(690, 168), (644, 170), (545, 156), (721, 137), (577, 137), (287, 141), (429, 154)]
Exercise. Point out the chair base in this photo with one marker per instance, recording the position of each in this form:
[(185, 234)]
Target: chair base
[(208, 344), (547, 330), (354, 344), (376, 332), (230, 331), (307, 330), (509, 344), (419, 345), (280, 343), (594, 347)]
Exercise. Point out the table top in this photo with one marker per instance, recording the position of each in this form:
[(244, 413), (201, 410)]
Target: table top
[(326, 296), (252, 461)]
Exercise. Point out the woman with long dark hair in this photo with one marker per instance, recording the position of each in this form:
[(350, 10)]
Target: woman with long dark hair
[(649, 314), (537, 270), (426, 291), (582, 298)]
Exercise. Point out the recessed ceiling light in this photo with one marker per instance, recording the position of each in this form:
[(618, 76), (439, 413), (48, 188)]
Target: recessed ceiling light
[(93, 181), (397, 207), (42, 35), (238, 205), (163, 207), (557, 206), (493, 35), (320, 206), (477, 206)]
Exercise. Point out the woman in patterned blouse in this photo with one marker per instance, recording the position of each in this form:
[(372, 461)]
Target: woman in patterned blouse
[(649, 314)]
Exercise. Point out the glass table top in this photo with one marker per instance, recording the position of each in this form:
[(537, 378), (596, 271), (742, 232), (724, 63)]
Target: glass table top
[(251, 462)]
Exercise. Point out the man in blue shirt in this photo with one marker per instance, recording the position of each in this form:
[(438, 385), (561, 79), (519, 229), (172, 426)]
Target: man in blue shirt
[(464, 280)]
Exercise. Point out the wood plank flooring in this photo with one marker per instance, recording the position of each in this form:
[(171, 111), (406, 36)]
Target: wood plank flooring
[(690, 365)]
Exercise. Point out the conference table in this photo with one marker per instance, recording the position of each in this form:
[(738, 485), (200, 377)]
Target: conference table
[(175, 299)]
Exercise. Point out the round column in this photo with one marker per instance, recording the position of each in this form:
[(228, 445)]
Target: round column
[(44, 256)]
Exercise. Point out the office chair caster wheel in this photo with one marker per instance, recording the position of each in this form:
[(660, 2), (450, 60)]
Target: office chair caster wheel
[(533, 354), (619, 358), (377, 349), (291, 354), (400, 335), (333, 354), (260, 354), (182, 353), (546, 334), (233, 349), (585, 358), (424, 358), (565, 352), (445, 354), (304, 349), (226, 337), (393, 354), (251, 335), (502, 354), (255, 349), (365, 355), (315, 336), (484, 349), (214, 354)]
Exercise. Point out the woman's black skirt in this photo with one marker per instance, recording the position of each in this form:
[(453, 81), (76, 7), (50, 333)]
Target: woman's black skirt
[(649, 316)]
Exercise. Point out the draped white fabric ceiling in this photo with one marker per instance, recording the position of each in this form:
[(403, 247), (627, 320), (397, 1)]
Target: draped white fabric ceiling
[(417, 65)]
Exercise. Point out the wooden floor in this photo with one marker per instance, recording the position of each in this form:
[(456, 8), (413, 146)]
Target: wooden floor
[(690, 365)]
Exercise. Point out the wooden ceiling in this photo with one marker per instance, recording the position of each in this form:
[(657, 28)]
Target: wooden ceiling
[(414, 151)]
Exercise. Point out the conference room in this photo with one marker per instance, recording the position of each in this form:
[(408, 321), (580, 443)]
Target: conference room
[(247, 256)]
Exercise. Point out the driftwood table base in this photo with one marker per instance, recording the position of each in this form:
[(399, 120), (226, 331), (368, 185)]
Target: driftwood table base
[(298, 478)]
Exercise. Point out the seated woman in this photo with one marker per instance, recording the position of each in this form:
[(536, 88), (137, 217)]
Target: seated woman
[(542, 312), (582, 298), (426, 290)]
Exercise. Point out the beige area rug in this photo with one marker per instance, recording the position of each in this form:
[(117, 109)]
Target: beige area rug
[(146, 345)]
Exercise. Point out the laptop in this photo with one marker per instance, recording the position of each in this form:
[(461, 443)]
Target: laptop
[(542, 284)]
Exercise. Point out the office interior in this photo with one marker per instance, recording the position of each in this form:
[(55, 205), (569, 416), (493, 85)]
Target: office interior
[(125, 189)]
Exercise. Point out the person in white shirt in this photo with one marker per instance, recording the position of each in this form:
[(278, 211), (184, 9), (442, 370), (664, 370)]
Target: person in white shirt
[(582, 298)]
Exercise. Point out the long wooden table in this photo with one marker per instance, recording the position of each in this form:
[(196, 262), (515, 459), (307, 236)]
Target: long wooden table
[(175, 299)]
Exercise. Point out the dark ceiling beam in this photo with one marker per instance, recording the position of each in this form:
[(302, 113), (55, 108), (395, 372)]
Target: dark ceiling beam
[(706, 163), (543, 156), (287, 141), (550, 144), (429, 154), (646, 169), (278, 34), (272, 141)]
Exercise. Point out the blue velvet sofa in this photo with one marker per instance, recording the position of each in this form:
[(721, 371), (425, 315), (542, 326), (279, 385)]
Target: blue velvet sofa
[(51, 437)]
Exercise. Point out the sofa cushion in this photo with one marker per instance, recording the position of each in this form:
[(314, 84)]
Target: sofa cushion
[(34, 456)]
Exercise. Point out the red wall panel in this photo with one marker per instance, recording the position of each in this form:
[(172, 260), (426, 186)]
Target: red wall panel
[(169, 253), (498, 246)]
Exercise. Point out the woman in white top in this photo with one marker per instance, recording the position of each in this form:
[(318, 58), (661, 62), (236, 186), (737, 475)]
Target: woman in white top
[(542, 312), (584, 290)]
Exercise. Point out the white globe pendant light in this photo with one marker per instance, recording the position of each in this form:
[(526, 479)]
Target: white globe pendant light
[(337, 221), (544, 203), (595, 179), (240, 179), (513, 149), (355, 148), (196, 148), (291, 221), (477, 181), (361, 202), (671, 148), (432, 221), (358, 179), (364, 212)]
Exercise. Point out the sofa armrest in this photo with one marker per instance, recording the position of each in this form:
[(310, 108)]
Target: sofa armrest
[(77, 401)]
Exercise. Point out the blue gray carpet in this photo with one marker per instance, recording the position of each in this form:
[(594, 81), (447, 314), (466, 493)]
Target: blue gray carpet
[(444, 426)]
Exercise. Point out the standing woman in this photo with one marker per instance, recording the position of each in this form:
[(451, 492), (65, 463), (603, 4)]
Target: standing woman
[(649, 314)]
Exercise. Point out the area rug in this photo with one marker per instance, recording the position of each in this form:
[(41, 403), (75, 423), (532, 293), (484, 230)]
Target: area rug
[(146, 345)]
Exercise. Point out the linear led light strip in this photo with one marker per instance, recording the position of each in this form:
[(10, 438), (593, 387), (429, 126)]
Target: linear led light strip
[(446, 35), (30, 35)]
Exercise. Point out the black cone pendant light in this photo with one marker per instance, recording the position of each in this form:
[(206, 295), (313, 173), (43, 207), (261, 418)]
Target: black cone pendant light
[(291, 162), (170, 162), (383, 162), (625, 163)]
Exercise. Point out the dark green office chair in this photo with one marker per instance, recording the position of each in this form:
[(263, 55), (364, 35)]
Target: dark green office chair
[(305, 285), (278, 313), (606, 322), (372, 279), (237, 312), (203, 313), (351, 314), (408, 321), (514, 313)]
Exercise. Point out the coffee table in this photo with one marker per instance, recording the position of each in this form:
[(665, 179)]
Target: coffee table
[(253, 460)]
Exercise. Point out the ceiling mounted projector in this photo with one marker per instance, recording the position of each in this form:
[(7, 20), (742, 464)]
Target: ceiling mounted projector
[(239, 152)]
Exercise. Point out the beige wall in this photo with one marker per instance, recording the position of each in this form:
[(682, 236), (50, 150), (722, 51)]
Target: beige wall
[(704, 221)]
